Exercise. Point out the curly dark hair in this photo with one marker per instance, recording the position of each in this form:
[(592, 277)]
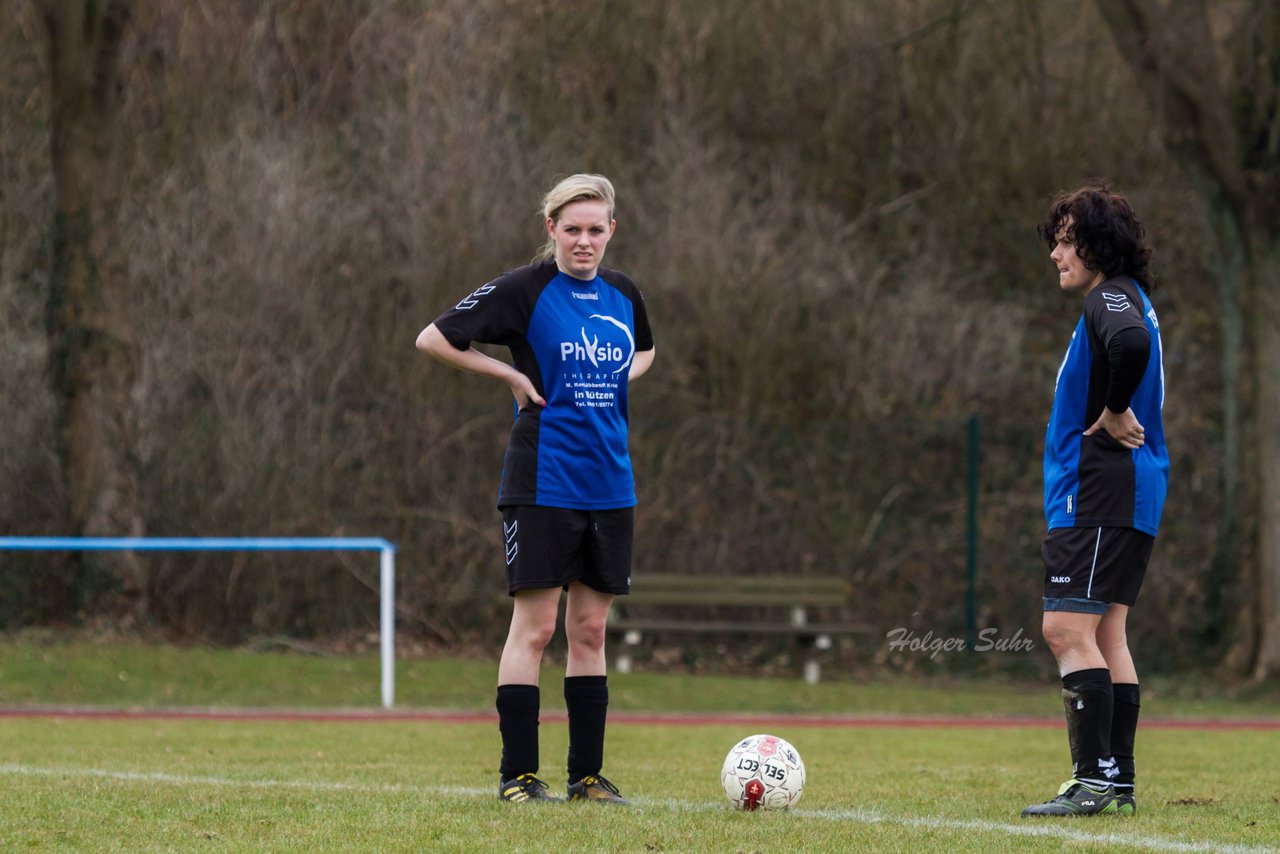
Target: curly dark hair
[(1107, 235)]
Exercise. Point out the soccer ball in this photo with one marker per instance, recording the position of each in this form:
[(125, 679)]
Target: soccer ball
[(763, 772)]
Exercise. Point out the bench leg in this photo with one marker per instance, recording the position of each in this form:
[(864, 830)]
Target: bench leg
[(622, 664), (812, 667)]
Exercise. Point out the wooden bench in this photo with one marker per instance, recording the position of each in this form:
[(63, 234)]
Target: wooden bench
[(762, 605)]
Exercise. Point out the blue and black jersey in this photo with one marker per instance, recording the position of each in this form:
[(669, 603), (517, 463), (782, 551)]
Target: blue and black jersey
[(575, 340), (1094, 481)]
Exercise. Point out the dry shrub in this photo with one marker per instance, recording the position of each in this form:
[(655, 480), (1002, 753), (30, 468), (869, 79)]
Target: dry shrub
[(829, 206)]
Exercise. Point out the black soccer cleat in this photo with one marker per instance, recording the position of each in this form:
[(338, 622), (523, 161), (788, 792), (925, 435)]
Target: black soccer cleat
[(524, 787), (1126, 803), (596, 788), (1076, 798)]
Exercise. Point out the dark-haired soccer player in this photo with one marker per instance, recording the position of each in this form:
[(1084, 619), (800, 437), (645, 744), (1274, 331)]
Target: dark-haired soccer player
[(578, 334), (1105, 475)]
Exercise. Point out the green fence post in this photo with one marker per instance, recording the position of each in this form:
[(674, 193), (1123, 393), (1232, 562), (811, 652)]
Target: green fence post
[(971, 591)]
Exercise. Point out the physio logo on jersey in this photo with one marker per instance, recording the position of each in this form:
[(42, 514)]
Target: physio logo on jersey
[(593, 365), (602, 355)]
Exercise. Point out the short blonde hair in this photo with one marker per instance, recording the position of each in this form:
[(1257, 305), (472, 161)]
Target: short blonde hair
[(576, 188)]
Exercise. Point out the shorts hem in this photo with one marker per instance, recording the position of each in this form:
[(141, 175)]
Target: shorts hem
[(604, 590), (1075, 606), (564, 585), (513, 589)]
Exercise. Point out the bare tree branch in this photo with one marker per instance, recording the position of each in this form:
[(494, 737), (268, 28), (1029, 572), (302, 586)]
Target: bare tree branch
[(1181, 77)]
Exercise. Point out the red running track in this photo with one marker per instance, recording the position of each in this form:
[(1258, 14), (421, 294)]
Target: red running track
[(642, 718)]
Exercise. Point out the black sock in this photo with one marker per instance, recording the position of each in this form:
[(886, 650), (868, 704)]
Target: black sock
[(1086, 696), (1124, 728), (518, 723), (587, 700)]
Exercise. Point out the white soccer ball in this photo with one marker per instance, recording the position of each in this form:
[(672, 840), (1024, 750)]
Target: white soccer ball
[(763, 772)]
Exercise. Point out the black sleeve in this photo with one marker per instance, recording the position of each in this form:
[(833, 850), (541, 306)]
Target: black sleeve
[(644, 335), (640, 314), (1113, 315), (494, 313), (1127, 355), (1111, 307)]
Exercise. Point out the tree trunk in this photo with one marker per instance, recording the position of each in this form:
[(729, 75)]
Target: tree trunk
[(1210, 122), (1265, 332), (92, 354), (1225, 256)]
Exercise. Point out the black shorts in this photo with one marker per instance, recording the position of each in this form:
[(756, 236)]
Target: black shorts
[(1088, 569), (554, 546)]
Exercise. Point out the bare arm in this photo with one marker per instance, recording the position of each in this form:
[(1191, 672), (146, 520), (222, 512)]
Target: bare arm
[(640, 363), (432, 342)]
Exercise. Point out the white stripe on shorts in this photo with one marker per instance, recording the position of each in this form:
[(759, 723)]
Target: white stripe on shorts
[(1088, 594)]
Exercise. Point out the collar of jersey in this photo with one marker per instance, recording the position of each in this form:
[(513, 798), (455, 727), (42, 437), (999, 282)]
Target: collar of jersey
[(578, 283)]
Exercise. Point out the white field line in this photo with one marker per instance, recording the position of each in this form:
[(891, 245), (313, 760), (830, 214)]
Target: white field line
[(184, 780), (1041, 828)]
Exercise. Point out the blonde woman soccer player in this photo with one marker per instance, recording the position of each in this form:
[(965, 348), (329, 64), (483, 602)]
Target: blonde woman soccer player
[(578, 334)]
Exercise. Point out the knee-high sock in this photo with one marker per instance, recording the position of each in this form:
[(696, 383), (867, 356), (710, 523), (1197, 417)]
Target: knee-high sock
[(587, 699), (518, 722), (1086, 697), (1124, 729)]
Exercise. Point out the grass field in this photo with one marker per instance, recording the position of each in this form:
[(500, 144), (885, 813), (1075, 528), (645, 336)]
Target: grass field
[(252, 785)]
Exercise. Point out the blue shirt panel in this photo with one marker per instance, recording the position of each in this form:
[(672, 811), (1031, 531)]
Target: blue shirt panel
[(1067, 425), (1062, 438), (1151, 461), (583, 337)]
